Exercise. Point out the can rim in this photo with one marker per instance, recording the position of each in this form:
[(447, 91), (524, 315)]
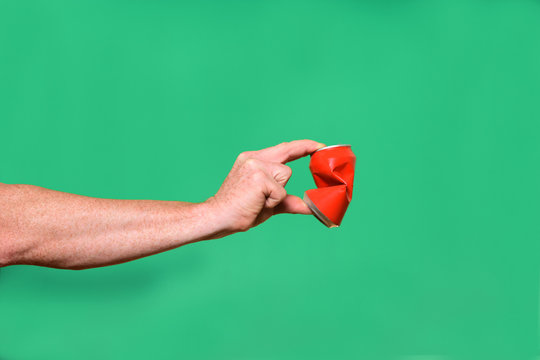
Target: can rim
[(318, 214), (331, 146)]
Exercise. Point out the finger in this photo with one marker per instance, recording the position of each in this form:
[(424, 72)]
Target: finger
[(289, 151), (292, 205), (279, 172), (275, 194)]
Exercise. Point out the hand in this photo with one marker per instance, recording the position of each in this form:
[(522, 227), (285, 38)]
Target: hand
[(254, 190)]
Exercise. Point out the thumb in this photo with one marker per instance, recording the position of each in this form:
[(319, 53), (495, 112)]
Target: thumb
[(292, 205)]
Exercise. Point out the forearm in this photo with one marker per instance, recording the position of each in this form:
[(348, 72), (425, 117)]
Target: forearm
[(50, 228)]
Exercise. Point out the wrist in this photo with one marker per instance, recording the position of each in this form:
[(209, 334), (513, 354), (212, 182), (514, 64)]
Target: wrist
[(216, 217)]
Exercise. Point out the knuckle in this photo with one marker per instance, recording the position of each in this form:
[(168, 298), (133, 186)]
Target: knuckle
[(250, 163), (243, 156), (278, 192), (287, 170), (282, 194), (278, 195), (284, 143), (283, 174)]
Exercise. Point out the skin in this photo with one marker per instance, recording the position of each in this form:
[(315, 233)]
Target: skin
[(50, 228)]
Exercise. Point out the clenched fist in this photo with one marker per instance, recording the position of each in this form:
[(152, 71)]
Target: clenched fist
[(254, 190)]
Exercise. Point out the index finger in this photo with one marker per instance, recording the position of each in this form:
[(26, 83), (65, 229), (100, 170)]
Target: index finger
[(289, 151)]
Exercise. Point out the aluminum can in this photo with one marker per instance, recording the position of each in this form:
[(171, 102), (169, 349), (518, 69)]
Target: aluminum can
[(332, 168)]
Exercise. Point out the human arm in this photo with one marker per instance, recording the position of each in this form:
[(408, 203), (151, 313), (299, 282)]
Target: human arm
[(49, 228)]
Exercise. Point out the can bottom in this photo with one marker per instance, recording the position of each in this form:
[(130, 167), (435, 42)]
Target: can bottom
[(318, 214)]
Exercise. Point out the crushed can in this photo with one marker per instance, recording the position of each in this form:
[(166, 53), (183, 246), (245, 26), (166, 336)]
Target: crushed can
[(332, 168)]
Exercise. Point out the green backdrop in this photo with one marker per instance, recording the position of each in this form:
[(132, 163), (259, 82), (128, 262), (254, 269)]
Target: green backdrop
[(438, 257)]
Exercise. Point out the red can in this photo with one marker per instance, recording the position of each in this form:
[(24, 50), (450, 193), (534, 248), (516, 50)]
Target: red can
[(332, 168)]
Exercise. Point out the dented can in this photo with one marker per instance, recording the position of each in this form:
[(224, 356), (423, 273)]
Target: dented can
[(332, 168)]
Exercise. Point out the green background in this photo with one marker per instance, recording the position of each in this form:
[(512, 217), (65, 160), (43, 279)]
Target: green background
[(438, 257)]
